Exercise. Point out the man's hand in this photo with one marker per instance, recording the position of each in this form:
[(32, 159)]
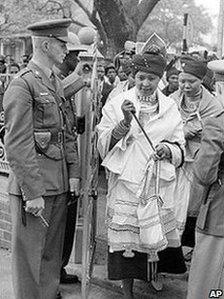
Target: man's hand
[(162, 151), (128, 108), (74, 185), (35, 206)]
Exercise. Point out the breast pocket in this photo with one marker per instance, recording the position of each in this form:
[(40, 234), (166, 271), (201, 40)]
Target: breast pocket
[(46, 111)]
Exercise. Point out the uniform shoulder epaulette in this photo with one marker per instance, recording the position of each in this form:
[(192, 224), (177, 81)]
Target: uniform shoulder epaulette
[(23, 72)]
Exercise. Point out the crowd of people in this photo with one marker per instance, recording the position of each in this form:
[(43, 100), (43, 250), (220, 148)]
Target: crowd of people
[(8, 68), (160, 139)]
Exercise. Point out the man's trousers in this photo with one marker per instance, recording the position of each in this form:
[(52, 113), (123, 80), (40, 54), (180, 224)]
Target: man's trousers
[(37, 249)]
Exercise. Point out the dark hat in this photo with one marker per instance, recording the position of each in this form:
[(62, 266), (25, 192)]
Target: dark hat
[(51, 28), (197, 68), (172, 71), (149, 63), (209, 80)]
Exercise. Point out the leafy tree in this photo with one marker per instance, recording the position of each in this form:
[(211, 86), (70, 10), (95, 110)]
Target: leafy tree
[(167, 20), (115, 20)]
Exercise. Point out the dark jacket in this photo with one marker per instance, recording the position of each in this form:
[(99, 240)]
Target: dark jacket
[(166, 91), (208, 183), (107, 88), (39, 147)]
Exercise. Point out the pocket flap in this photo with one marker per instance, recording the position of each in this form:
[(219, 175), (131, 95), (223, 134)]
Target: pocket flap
[(42, 139), (44, 98)]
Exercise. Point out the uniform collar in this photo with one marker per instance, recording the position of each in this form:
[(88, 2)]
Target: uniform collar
[(43, 75), (46, 70)]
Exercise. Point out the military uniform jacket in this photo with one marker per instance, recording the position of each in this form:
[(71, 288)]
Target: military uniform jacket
[(40, 148), (208, 183)]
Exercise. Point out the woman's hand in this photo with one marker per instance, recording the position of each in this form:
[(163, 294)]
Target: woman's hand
[(128, 108), (162, 152)]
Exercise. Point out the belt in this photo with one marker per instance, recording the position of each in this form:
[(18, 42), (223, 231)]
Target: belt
[(42, 137), (57, 137)]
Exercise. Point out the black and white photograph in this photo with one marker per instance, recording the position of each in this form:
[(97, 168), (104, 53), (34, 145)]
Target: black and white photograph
[(111, 149)]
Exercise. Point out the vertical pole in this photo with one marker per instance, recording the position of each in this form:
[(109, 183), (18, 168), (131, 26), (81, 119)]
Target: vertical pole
[(88, 204), (220, 29), (184, 49)]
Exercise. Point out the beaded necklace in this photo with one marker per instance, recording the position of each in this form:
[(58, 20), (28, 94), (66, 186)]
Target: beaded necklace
[(152, 99), (148, 107), (191, 104)]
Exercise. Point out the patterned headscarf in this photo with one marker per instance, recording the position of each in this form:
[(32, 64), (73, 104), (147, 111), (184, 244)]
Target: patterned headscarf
[(149, 63)]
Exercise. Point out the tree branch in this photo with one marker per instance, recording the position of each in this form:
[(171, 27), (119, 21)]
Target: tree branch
[(86, 11), (61, 7), (94, 12), (143, 9)]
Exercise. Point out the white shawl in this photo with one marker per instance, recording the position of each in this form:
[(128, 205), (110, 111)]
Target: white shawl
[(130, 156)]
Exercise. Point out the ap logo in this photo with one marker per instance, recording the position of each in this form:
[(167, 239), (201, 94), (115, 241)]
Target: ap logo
[(215, 293)]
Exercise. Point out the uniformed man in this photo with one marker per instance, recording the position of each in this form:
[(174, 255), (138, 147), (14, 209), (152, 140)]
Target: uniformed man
[(44, 165), (206, 276), (68, 66)]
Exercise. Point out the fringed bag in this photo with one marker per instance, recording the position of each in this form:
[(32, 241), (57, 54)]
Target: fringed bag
[(151, 229)]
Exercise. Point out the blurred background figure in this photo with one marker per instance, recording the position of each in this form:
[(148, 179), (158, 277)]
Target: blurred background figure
[(2, 78), (13, 68), (121, 74), (2, 64), (111, 75), (125, 84), (25, 59), (71, 60), (104, 87), (172, 76), (9, 59)]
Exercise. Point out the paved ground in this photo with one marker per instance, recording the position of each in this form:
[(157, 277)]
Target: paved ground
[(68, 292), (174, 288), (101, 288)]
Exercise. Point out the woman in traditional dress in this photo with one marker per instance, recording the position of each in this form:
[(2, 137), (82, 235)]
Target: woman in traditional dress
[(195, 104), (133, 240)]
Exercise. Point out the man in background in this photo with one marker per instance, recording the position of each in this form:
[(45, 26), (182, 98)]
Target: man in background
[(111, 75), (103, 87), (172, 76), (64, 69)]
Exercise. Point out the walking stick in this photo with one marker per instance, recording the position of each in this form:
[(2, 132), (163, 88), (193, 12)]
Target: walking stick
[(91, 179), (143, 131), (156, 283)]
